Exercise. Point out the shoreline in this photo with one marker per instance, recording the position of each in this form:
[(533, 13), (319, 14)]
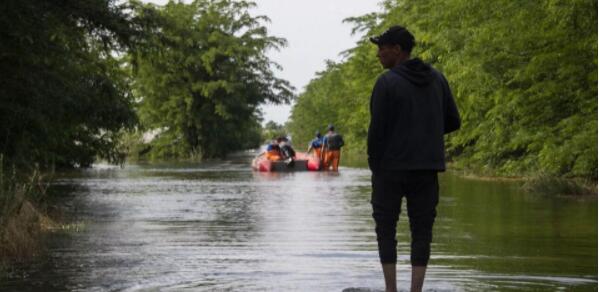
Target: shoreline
[(541, 183)]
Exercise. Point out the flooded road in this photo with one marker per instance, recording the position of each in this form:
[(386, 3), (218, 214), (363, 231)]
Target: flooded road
[(221, 227)]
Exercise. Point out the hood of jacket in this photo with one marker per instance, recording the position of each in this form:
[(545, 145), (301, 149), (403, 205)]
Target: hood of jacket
[(415, 71)]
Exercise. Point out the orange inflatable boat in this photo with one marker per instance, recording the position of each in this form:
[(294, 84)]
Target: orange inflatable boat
[(302, 162)]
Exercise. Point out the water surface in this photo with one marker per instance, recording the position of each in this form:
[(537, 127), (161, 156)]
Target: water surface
[(217, 226)]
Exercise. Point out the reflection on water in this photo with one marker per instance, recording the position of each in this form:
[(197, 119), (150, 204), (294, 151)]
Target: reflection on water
[(218, 226)]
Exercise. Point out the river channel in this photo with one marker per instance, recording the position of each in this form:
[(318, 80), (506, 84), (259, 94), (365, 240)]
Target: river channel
[(218, 226)]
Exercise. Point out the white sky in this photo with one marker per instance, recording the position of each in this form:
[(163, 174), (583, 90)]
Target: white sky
[(314, 33)]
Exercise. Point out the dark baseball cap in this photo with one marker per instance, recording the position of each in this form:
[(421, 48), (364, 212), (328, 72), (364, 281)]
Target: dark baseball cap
[(395, 35)]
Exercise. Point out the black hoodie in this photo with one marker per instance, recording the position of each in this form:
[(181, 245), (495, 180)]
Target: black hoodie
[(411, 108)]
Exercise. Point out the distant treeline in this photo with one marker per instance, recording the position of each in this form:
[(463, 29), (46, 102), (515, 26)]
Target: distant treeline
[(79, 76), (524, 74)]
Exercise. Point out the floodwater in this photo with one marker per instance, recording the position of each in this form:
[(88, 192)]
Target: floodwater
[(218, 226)]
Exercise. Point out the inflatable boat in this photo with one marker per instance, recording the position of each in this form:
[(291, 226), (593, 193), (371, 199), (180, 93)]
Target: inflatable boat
[(302, 162)]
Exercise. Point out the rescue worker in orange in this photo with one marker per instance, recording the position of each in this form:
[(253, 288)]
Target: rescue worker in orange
[(332, 148), (316, 144), (273, 152)]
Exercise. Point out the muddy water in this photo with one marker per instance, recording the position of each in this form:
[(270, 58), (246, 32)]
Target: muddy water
[(220, 227)]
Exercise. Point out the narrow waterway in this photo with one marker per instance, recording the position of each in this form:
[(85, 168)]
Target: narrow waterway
[(218, 226)]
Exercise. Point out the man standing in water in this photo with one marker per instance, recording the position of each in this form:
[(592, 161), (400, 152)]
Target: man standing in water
[(332, 144), (316, 144), (411, 108)]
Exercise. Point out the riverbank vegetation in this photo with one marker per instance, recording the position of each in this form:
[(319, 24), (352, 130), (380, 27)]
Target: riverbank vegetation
[(524, 75)]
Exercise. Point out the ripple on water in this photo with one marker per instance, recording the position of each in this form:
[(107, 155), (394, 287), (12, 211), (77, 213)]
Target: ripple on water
[(221, 227)]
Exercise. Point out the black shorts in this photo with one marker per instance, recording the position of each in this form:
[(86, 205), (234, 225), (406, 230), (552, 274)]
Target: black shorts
[(421, 190)]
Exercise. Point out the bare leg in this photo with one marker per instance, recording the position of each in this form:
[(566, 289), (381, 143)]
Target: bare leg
[(390, 277), (418, 273)]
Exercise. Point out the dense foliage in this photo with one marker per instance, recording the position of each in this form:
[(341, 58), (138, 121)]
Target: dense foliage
[(203, 76), (63, 95), (524, 74)]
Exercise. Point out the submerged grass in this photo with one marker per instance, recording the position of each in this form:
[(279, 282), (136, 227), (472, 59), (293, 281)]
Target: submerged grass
[(21, 222), (551, 185), (541, 184), (544, 184)]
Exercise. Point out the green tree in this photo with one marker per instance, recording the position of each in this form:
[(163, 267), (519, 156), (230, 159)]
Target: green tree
[(64, 97), (273, 130), (203, 76)]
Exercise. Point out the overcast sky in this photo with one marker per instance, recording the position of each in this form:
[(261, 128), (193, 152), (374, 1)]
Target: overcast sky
[(314, 32)]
